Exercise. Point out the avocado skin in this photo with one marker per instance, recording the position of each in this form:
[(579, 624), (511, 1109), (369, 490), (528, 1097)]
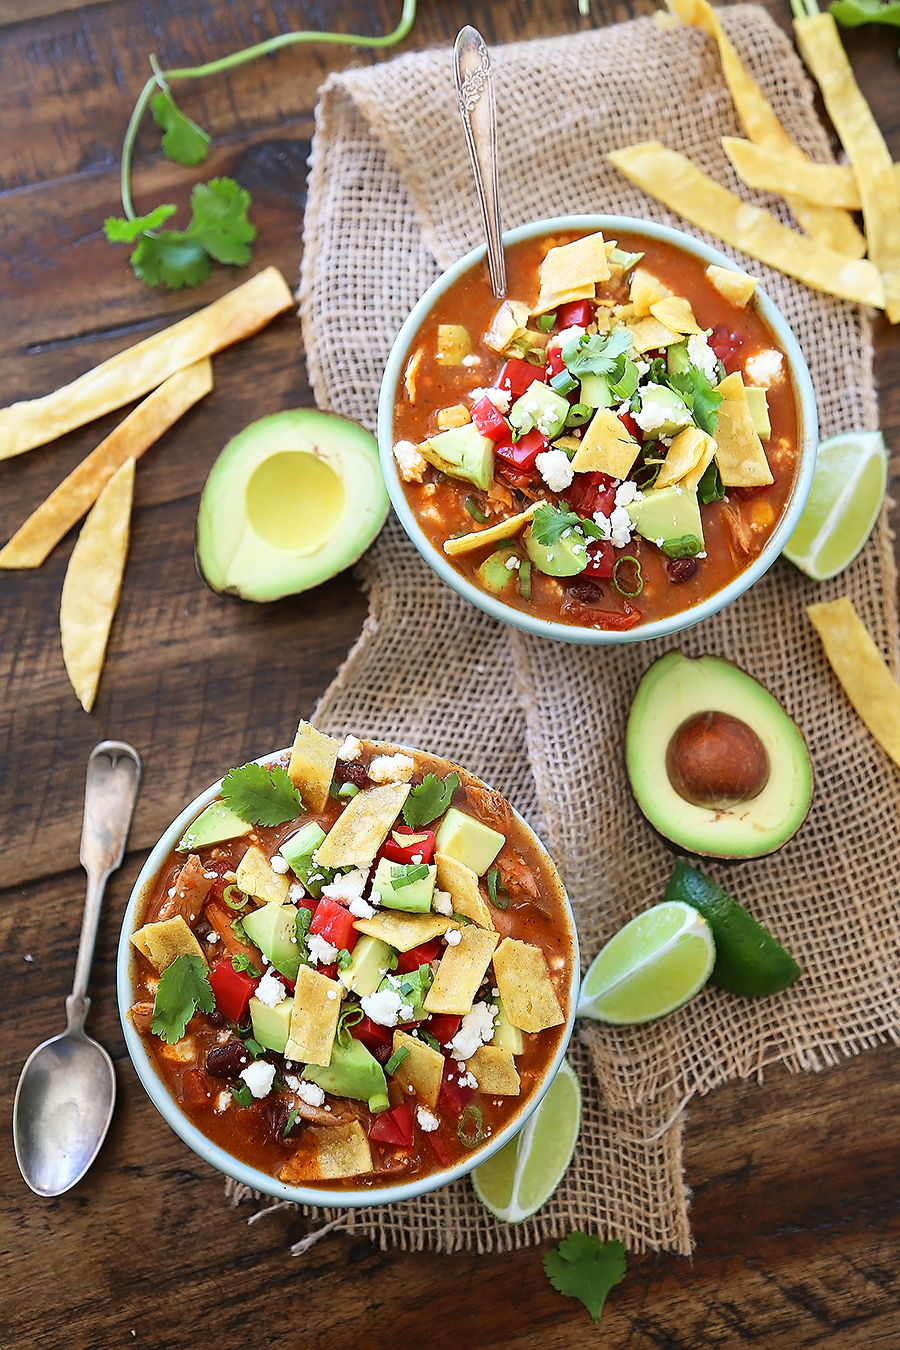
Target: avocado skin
[(735, 932)]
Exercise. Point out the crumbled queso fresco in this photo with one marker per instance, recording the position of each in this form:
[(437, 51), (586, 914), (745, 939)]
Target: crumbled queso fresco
[(396, 768)]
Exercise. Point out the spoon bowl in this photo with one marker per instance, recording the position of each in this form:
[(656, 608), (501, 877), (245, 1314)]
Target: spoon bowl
[(67, 1089)]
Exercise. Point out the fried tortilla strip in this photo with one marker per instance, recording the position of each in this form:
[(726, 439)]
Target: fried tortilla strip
[(739, 451), (861, 669), (570, 271), (775, 172), (526, 988), (495, 1071), (65, 506), (421, 1069), (161, 942), (93, 583), (311, 769), (329, 1154), (460, 972), (606, 446), (736, 287), (405, 931), (314, 1018), (822, 50), (462, 885), (504, 530), (257, 877), (832, 228), (135, 371), (675, 313), (361, 829), (687, 456), (674, 180)]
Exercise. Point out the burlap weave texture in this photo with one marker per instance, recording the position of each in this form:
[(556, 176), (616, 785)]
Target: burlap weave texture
[(390, 203)]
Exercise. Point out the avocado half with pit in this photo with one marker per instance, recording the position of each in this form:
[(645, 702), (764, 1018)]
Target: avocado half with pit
[(716, 764), (293, 499)]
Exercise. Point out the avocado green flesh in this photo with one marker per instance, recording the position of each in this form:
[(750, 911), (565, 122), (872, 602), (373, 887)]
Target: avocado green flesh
[(293, 499), (675, 688)]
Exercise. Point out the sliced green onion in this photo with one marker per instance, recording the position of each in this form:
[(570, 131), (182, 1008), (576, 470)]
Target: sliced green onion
[(470, 1140), (649, 472), (563, 383), (475, 510), (546, 322), (242, 963), (460, 919), (347, 791), (242, 1095), (291, 1121), (579, 413), (525, 579), (687, 546), (534, 357), (396, 1060), (344, 959), (403, 874), (234, 904), (639, 579), (334, 790), (499, 899), (256, 1050)]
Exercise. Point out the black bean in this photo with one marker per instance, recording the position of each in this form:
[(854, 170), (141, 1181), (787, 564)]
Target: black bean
[(226, 1061), (351, 771), (586, 592), (680, 569)]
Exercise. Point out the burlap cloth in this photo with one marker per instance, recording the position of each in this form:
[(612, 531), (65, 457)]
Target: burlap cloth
[(390, 202)]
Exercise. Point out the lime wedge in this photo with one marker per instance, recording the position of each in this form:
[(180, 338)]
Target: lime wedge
[(844, 501), (525, 1172), (654, 964)]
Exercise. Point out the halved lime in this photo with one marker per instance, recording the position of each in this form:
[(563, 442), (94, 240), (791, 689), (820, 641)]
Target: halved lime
[(650, 967), (525, 1172), (844, 501)]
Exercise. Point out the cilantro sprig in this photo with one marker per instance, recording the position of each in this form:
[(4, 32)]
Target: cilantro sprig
[(261, 796), (183, 988), (429, 799), (585, 1268)]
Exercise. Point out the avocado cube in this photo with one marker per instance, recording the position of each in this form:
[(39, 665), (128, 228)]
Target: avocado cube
[(414, 898), (468, 841), (759, 410), (462, 452), (454, 343), (540, 407), (369, 961), (664, 413), (274, 930), (214, 825), (670, 518), (297, 848), (352, 1072), (677, 359), (595, 391), (505, 1034), (271, 1025), (493, 573)]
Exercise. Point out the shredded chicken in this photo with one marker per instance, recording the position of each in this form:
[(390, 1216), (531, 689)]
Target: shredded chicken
[(490, 805), (141, 1017), (737, 526), (191, 889), (518, 877), (221, 920)]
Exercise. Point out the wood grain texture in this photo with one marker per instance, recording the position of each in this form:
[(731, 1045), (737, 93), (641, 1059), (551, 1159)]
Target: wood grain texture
[(796, 1207)]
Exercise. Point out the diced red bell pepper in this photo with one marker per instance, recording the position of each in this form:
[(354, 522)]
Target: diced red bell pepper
[(454, 1096), (617, 620), (334, 923), (443, 1027), (372, 1034), (307, 902), (727, 346), (232, 989), (592, 492), (631, 426), (521, 454), (394, 1127), (601, 559), (418, 956), (438, 1147), (517, 376), (580, 312), (421, 847), (555, 363), (330, 972), (489, 419)]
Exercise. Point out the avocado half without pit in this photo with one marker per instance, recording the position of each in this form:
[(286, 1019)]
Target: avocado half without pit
[(292, 500), (716, 764)]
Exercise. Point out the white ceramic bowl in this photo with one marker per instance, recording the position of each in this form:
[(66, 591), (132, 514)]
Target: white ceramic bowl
[(220, 1158), (808, 434)]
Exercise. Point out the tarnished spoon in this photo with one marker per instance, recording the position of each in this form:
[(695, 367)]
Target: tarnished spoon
[(475, 90), (67, 1089)]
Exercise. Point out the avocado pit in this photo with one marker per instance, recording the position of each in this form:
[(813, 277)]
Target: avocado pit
[(717, 761)]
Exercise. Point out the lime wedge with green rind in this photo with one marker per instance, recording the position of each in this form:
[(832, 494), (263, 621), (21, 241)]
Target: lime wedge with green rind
[(652, 966), (525, 1172), (748, 959), (843, 504)]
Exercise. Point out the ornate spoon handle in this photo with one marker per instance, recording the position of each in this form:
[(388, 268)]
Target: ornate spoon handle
[(475, 89)]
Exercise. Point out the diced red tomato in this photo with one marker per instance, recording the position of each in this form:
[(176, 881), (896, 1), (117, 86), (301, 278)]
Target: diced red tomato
[(443, 1027), (617, 620), (515, 477), (418, 956), (489, 419), (592, 492), (421, 847), (384, 1131), (309, 903), (330, 972), (727, 346), (438, 1147), (522, 453), (555, 363), (454, 1096), (601, 559), (402, 1119), (580, 312), (516, 376), (335, 924), (232, 989), (631, 426), (372, 1035)]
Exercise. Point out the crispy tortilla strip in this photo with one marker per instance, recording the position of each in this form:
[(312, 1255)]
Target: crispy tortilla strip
[(525, 986), (606, 447), (311, 769), (739, 451), (772, 171), (460, 972), (508, 323), (691, 480), (77, 493), (495, 1070), (462, 884), (162, 942), (690, 449), (649, 333), (421, 1070), (675, 181), (504, 530), (736, 287), (328, 1153), (405, 931), (255, 877), (822, 50), (832, 228), (138, 369), (646, 290), (93, 582), (314, 1018), (570, 271), (675, 313), (861, 669), (361, 829)]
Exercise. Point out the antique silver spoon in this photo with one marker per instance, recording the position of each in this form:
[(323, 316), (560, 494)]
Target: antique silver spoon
[(475, 90), (67, 1089)]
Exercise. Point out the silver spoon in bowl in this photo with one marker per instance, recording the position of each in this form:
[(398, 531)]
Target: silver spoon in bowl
[(67, 1089), (475, 90)]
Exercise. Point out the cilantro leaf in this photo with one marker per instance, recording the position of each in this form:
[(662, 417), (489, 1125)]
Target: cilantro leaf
[(549, 523), (119, 231), (219, 220), (853, 13), (585, 1268), (705, 401), (598, 355), (183, 141), (183, 987), (261, 796), (429, 800), (171, 257)]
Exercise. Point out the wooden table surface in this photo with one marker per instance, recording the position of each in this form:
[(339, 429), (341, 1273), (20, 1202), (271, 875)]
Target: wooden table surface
[(796, 1208)]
